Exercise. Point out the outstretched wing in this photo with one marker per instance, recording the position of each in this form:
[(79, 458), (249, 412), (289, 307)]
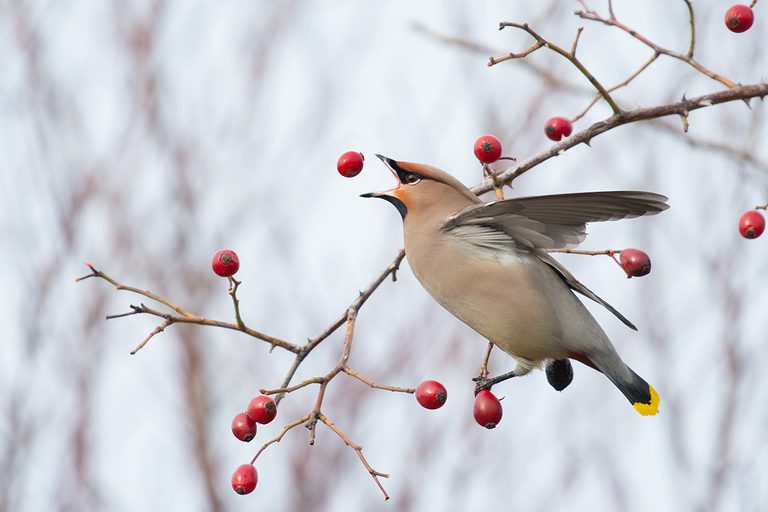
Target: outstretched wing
[(534, 224), (557, 221)]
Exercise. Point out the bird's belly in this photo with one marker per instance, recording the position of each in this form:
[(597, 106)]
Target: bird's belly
[(499, 299)]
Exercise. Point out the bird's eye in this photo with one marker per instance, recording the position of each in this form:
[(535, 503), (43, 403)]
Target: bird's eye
[(412, 179)]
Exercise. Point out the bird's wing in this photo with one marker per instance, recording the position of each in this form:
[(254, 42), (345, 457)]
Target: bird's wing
[(576, 285), (557, 221), (533, 224)]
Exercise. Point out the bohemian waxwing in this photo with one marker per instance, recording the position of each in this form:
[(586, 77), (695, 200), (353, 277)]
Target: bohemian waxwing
[(487, 264)]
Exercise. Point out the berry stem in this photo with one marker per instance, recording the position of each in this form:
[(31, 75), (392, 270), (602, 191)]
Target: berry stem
[(233, 286), (374, 385)]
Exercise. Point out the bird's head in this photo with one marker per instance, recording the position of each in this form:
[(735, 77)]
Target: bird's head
[(421, 187)]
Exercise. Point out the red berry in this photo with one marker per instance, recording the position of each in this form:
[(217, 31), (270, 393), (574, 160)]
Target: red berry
[(557, 128), (752, 224), (488, 149), (431, 394), (244, 479), (350, 164), (635, 263), (262, 409), (243, 427), (225, 263), (739, 18), (487, 409)]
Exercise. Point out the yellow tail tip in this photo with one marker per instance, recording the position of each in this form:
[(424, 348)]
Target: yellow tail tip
[(650, 408)]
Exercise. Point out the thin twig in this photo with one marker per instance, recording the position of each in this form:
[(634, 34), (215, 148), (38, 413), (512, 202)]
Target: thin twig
[(369, 382), (184, 317), (540, 42), (234, 284), (617, 86), (359, 449), (279, 437), (589, 14), (576, 41), (693, 28)]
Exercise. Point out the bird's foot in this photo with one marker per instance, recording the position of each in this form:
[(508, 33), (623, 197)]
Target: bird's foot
[(488, 382)]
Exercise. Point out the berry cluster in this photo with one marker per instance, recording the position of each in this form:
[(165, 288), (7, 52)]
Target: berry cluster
[(261, 409)]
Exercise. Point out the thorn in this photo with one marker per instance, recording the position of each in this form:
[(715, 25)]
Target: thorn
[(746, 102), (588, 142), (683, 99)]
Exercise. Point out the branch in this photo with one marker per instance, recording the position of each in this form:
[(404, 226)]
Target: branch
[(359, 449), (184, 316), (589, 14), (741, 92), (571, 57), (617, 86), (372, 384)]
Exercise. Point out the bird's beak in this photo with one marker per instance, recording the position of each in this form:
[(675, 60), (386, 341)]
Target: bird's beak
[(393, 167)]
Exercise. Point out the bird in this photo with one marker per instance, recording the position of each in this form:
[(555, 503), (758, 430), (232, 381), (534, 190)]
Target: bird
[(488, 264)]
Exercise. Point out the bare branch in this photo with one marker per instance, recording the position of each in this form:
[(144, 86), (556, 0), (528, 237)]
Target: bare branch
[(359, 449), (372, 384), (588, 14), (540, 41)]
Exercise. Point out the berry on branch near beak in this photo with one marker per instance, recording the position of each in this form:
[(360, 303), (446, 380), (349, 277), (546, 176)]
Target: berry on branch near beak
[(350, 164), (488, 149), (739, 18)]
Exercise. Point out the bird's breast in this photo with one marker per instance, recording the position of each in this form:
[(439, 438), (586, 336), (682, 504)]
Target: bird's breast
[(495, 293)]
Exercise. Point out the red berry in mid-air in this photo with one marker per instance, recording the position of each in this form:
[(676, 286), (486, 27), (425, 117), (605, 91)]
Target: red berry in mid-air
[(225, 263), (739, 18), (752, 224), (487, 409), (262, 409), (431, 394), (635, 262), (557, 128), (244, 479), (350, 164), (488, 149), (243, 427)]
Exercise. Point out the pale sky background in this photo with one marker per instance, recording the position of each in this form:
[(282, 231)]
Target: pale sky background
[(144, 136)]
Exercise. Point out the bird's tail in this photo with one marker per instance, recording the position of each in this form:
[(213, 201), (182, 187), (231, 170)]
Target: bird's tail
[(640, 394)]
